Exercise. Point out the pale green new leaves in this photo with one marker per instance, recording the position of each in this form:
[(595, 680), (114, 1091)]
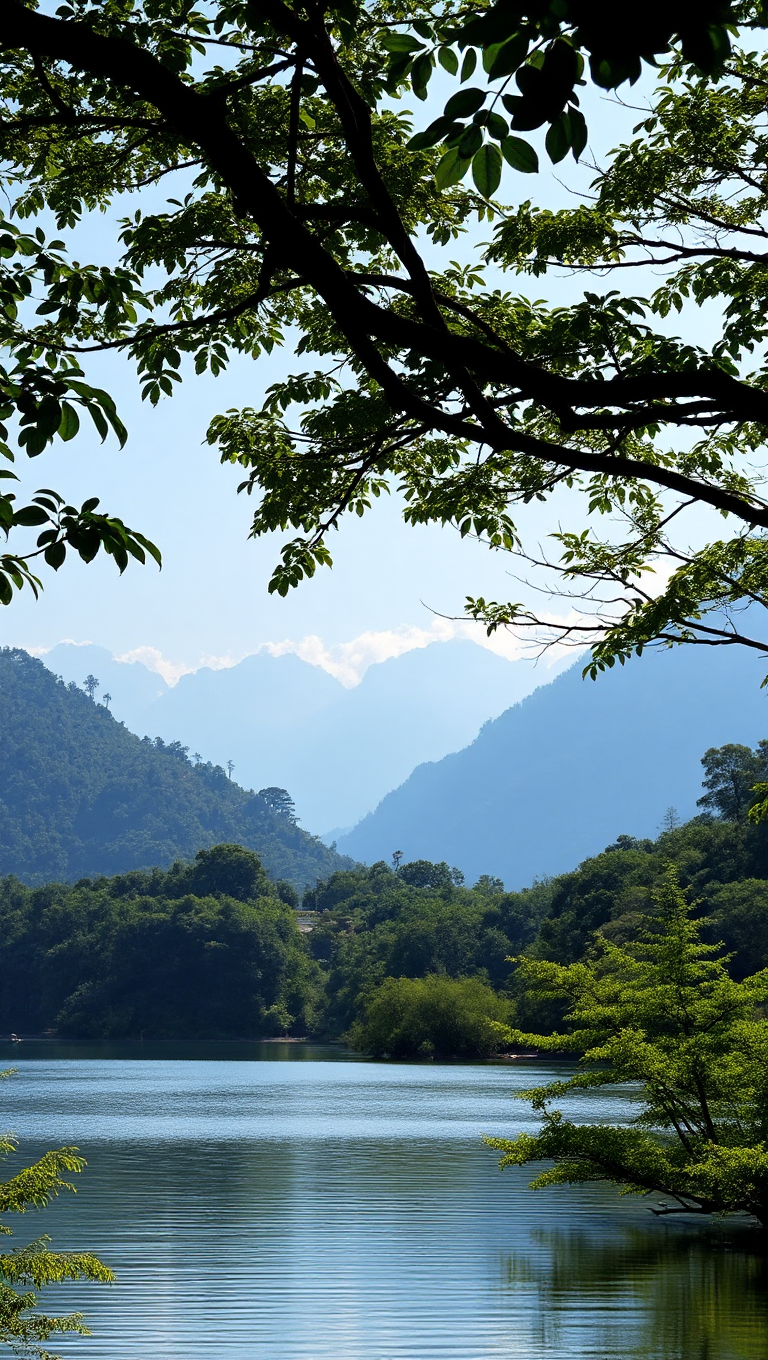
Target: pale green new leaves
[(663, 1017)]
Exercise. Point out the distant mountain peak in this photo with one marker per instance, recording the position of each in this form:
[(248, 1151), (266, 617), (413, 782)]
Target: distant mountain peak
[(288, 723), (561, 774)]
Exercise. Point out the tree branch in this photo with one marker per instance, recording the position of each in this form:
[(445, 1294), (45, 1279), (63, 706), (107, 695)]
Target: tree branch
[(201, 121)]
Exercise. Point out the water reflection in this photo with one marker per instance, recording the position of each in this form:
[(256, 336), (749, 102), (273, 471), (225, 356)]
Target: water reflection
[(317, 1210), (650, 1291)]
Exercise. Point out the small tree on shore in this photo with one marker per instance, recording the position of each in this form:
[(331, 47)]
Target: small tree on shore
[(665, 1016)]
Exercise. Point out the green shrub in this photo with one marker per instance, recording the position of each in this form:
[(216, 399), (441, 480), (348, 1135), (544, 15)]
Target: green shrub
[(434, 1015)]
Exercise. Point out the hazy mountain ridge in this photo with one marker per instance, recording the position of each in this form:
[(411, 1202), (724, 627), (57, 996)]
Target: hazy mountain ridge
[(81, 795), (285, 722), (571, 767)]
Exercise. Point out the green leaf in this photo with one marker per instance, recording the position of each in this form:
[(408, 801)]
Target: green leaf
[(401, 42), (30, 515), (421, 75), (87, 543), (579, 132), (468, 65), (520, 155), (464, 103), (497, 126), (70, 422), (453, 137), (451, 169), (399, 66), (486, 169), (436, 132), (55, 554), (502, 59), (470, 142), (558, 138), (150, 547), (48, 416), (98, 419), (448, 60)]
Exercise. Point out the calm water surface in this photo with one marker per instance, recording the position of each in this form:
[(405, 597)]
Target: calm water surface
[(286, 1202)]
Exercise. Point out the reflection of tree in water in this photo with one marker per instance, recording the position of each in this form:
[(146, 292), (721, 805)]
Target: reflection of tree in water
[(666, 1292)]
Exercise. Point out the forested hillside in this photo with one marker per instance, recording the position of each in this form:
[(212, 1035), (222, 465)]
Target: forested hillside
[(210, 949), (572, 767), (402, 958), (80, 795)]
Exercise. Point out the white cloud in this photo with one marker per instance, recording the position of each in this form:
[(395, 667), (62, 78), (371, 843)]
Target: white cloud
[(153, 659), (348, 661), (63, 642)]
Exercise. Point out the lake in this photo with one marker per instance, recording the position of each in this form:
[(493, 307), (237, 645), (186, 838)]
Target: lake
[(293, 1202)]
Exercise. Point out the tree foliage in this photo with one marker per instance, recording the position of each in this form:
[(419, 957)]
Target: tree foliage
[(207, 950), (23, 1270), (372, 924), (280, 802), (302, 199), (211, 947), (724, 864), (662, 1015), (43, 393), (432, 1016), (732, 772)]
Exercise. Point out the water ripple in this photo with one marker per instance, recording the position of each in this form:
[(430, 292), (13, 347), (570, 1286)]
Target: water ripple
[(326, 1210)]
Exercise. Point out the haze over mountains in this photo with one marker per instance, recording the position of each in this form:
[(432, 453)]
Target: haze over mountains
[(552, 779), (284, 722), (576, 764)]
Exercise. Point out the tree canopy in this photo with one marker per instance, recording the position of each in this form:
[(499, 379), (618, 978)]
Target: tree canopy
[(432, 1016), (212, 948), (311, 210), (42, 393), (732, 774), (664, 1015), (207, 950)]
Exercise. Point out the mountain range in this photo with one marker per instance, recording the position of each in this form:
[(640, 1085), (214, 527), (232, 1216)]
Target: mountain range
[(284, 722), (80, 795), (543, 783), (562, 774)]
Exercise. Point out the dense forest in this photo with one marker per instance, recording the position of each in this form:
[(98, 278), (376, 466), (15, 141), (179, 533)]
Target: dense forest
[(208, 949), (402, 959), (80, 795)]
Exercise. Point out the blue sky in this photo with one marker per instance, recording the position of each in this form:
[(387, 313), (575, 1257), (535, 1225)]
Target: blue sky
[(211, 599)]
